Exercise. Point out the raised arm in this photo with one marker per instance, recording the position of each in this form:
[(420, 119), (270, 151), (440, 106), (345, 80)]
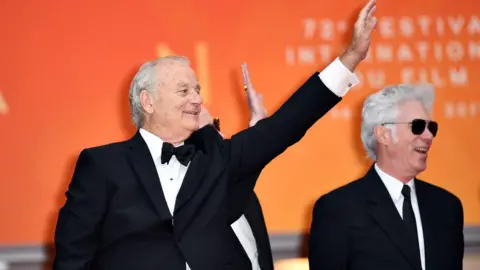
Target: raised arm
[(252, 149)]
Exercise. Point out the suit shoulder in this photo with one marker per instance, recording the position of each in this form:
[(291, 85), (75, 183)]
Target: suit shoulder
[(342, 195), (439, 192), (346, 190), (105, 150)]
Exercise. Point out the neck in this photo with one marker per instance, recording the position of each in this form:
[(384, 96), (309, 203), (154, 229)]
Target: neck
[(166, 134), (388, 166)]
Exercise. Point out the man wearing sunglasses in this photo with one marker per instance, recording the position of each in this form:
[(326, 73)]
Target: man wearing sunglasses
[(389, 219)]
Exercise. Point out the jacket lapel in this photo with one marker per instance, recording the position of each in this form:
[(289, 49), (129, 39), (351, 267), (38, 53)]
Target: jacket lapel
[(141, 160), (193, 177), (200, 173), (386, 215), (196, 169)]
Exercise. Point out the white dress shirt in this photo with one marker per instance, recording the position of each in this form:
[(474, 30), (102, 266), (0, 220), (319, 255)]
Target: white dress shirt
[(394, 187), (339, 80), (244, 233), (171, 174), (336, 77)]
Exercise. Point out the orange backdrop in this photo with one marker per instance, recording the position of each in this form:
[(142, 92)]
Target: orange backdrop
[(65, 68)]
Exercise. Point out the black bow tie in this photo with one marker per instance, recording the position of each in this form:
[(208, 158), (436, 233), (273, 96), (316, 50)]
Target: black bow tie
[(183, 153)]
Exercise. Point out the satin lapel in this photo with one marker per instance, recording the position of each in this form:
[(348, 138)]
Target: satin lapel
[(196, 170), (428, 225), (386, 215), (200, 173), (141, 160)]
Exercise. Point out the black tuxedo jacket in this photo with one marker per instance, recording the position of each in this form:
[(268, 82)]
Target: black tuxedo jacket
[(358, 227), (255, 218), (254, 215), (116, 216)]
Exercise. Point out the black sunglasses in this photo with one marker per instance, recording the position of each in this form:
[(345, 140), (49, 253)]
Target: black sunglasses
[(418, 126)]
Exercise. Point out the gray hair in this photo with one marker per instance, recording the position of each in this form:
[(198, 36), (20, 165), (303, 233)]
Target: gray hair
[(382, 107), (147, 78)]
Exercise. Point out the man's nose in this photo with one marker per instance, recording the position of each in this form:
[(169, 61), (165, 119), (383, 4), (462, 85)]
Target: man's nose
[(197, 98), (427, 135)]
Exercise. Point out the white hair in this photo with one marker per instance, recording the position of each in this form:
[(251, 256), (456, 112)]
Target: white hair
[(382, 107), (147, 78)]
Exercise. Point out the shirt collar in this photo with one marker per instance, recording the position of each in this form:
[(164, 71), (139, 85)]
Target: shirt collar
[(393, 185), (154, 143)]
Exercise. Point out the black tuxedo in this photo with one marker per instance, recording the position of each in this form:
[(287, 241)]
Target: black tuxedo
[(250, 207), (254, 215), (358, 227), (116, 216)]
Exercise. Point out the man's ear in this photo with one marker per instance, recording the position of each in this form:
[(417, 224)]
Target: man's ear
[(382, 134), (146, 100)]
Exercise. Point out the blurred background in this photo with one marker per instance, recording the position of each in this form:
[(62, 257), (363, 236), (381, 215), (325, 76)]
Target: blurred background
[(65, 68)]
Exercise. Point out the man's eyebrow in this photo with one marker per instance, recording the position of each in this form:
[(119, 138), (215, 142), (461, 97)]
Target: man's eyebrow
[(182, 84)]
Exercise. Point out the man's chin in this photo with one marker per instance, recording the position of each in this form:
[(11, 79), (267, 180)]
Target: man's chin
[(192, 126), (420, 167)]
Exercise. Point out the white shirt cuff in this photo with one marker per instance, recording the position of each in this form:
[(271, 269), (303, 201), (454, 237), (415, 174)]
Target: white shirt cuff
[(338, 78)]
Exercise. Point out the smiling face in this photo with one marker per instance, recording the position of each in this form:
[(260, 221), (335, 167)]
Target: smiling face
[(174, 110), (407, 151)]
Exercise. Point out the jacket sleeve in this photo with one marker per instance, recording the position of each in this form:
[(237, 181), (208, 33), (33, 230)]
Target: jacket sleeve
[(80, 219), (252, 149), (328, 237)]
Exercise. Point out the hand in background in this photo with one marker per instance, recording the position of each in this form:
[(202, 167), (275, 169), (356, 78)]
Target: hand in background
[(255, 99)]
